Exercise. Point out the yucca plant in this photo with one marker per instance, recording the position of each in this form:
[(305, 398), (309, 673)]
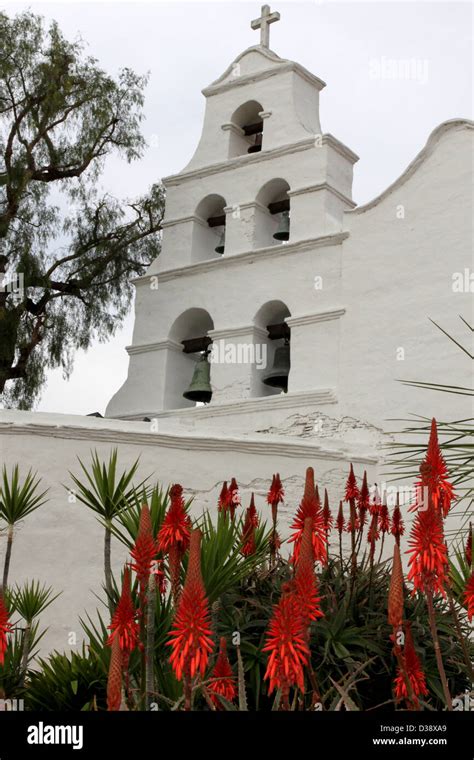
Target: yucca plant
[(18, 499), (107, 493), (29, 601)]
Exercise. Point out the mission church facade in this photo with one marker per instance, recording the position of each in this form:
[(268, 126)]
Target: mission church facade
[(295, 311), (264, 247)]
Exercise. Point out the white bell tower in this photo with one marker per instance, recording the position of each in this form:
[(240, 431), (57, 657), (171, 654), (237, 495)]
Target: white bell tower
[(262, 165)]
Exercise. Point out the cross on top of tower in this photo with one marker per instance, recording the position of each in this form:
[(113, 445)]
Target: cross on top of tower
[(263, 23)]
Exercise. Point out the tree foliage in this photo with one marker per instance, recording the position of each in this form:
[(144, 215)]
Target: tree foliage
[(67, 248)]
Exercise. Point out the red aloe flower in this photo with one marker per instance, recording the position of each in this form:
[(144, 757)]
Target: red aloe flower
[(353, 521), (287, 645), (352, 490), (309, 507), (124, 625), (327, 516), (469, 597), (429, 560), (469, 547), (395, 594), (176, 526), (275, 495), (160, 577), (276, 492), (173, 536), (248, 530), (376, 501), (233, 498), (275, 542), (190, 639), (305, 584), (144, 551), (5, 628), (414, 672), (363, 502), (114, 680), (340, 519), (398, 528), (225, 684), (434, 474), (222, 501), (384, 518), (352, 495), (373, 533)]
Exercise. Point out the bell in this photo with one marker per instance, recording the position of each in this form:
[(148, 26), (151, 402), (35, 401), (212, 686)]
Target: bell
[(278, 375), (200, 388), (283, 231), (221, 244), (257, 146)]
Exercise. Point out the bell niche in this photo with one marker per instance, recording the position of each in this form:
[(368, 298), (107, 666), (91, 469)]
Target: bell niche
[(246, 129), (272, 214), (277, 376), (209, 229)]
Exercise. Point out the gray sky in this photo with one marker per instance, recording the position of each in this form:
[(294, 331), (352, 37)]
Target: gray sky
[(187, 45)]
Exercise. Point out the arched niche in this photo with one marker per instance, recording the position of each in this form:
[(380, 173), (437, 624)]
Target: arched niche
[(192, 323), (272, 203), (271, 313), (247, 132), (209, 228)]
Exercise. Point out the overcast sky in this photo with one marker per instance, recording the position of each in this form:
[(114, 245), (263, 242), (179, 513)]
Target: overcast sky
[(187, 45)]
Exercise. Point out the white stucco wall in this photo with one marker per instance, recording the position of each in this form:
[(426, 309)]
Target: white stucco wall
[(397, 274)]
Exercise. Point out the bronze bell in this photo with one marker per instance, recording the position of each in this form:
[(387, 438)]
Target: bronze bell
[(283, 231), (278, 375), (221, 244), (200, 388), (257, 146)]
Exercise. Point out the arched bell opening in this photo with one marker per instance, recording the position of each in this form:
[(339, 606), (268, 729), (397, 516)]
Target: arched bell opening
[(272, 222), (188, 373), (248, 137), (209, 229), (275, 336)]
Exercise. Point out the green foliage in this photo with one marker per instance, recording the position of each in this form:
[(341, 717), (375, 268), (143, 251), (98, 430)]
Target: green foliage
[(103, 490), (12, 670), (77, 249), (460, 572), (223, 565), (18, 500), (31, 599), (76, 681)]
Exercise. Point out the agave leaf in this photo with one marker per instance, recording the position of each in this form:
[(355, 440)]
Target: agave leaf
[(348, 702)]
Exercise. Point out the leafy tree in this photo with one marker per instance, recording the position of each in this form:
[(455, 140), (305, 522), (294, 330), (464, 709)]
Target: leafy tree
[(74, 246)]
